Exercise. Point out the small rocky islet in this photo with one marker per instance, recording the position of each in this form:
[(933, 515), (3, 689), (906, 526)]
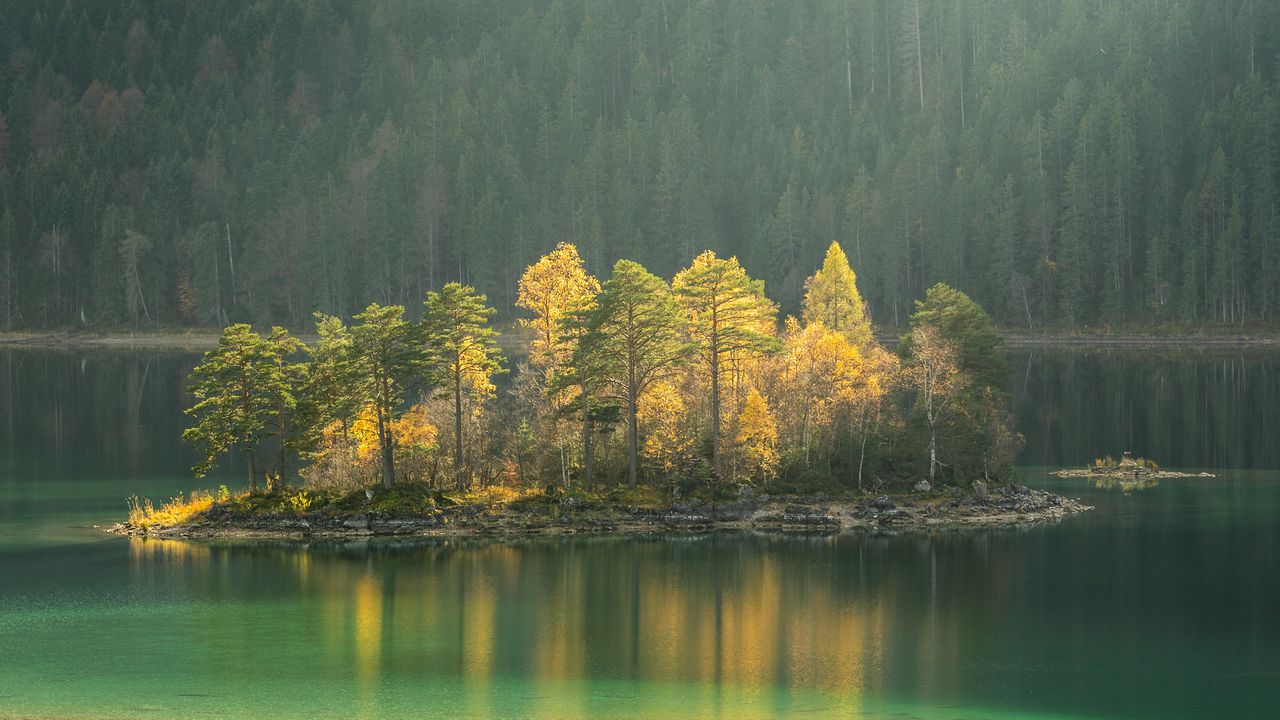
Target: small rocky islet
[(976, 507), (1127, 468)]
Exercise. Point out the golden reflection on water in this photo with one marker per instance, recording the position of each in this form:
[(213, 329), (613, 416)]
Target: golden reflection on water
[(368, 637), (729, 630)]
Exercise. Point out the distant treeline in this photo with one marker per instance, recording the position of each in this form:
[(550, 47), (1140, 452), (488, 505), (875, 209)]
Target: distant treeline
[(1064, 162)]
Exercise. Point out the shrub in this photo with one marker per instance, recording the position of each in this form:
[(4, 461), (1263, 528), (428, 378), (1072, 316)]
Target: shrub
[(301, 502)]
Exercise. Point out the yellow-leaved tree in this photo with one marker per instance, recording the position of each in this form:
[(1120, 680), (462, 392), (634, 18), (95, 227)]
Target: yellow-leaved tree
[(417, 449), (933, 371), (820, 372), (559, 292), (880, 373), (350, 452), (831, 296), (670, 445), (729, 316), (757, 437)]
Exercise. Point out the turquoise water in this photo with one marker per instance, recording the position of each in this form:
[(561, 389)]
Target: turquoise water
[(1160, 604)]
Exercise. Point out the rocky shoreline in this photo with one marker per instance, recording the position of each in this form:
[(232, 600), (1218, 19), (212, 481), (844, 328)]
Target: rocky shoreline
[(1004, 506)]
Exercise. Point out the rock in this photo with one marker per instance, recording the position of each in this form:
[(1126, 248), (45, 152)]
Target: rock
[(923, 486), (677, 518), (979, 490), (893, 515), (734, 510), (746, 493), (882, 503), (356, 522)]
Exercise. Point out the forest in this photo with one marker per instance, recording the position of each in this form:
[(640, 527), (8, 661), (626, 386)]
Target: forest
[(1066, 163), (690, 386)]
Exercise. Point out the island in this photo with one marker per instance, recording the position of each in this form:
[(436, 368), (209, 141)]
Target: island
[(419, 513), (1134, 473), (635, 405)]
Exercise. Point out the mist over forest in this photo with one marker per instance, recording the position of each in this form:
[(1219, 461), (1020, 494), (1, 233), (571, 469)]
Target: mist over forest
[(1068, 164)]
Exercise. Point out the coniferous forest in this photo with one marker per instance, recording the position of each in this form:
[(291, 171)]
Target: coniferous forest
[(1065, 163)]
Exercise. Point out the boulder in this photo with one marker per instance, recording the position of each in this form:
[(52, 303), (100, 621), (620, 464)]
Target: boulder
[(979, 490), (882, 503), (923, 486)]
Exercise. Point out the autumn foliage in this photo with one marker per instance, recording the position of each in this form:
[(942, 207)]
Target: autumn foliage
[(693, 386)]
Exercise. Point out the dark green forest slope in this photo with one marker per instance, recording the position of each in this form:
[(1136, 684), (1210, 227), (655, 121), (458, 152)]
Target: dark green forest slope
[(1067, 163)]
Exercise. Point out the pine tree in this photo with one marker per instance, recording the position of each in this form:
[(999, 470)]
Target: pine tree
[(636, 338), (242, 388), (728, 315), (463, 355), (285, 381), (384, 358)]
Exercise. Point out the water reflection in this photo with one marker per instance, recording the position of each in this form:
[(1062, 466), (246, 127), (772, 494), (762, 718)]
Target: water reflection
[(1126, 486), (730, 615), (1211, 408), (745, 625)]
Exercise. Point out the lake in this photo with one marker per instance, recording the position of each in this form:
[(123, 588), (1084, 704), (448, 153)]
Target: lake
[(1161, 603)]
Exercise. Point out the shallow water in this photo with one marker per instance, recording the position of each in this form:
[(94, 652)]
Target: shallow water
[(1159, 604)]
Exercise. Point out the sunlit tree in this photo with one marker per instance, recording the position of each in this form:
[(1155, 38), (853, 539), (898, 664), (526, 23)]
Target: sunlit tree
[(463, 354), (728, 314), (636, 338), (831, 296), (757, 437), (558, 291), (819, 371)]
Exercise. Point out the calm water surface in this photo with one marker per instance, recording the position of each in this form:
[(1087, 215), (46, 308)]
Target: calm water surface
[(1160, 604)]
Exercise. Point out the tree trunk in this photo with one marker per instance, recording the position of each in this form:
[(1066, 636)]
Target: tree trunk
[(283, 437), (715, 412), (384, 445), (587, 458), (933, 438), (633, 431), (457, 426), (919, 55), (862, 450), (253, 472)]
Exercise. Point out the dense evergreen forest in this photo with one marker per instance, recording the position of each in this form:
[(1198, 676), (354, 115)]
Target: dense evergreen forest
[(1065, 163)]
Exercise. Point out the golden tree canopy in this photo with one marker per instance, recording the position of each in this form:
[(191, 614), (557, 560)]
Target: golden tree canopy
[(831, 296), (554, 288), (758, 436)]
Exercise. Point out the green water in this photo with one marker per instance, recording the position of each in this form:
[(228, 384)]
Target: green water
[(1163, 603)]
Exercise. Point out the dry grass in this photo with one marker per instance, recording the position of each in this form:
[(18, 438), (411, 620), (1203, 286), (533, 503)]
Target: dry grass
[(179, 509)]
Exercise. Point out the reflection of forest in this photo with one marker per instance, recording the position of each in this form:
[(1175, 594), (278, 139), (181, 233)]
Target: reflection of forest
[(1188, 409), (730, 625), (744, 613), (97, 413)]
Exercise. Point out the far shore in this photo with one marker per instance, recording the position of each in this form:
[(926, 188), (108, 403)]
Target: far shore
[(200, 339), (1003, 506)]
